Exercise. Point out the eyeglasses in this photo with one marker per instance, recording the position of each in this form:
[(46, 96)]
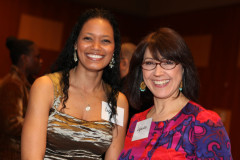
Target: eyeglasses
[(150, 64)]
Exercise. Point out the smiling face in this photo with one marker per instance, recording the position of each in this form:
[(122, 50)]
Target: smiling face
[(162, 83), (95, 44)]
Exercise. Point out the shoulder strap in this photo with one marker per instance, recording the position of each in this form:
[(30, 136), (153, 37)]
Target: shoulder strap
[(56, 80)]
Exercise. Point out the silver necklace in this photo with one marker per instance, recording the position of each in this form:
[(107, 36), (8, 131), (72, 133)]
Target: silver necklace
[(88, 107)]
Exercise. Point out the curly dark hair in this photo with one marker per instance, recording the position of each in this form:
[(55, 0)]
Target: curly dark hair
[(65, 61), (171, 46), (18, 47)]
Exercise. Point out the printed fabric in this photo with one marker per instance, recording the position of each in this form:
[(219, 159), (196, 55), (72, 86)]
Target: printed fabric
[(194, 133), (72, 138)]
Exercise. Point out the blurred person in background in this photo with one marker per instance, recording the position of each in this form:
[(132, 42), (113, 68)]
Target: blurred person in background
[(127, 50), (14, 92)]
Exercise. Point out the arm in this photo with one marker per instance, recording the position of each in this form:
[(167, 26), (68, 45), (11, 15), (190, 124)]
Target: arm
[(33, 144), (119, 132), (12, 102), (212, 141)]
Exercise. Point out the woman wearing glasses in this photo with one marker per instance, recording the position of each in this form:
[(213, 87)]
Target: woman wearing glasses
[(163, 78)]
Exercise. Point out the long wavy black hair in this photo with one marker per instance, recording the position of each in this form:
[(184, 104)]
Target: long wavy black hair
[(171, 46), (65, 62)]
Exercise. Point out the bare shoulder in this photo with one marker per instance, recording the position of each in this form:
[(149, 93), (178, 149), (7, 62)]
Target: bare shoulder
[(122, 100), (42, 90), (43, 82)]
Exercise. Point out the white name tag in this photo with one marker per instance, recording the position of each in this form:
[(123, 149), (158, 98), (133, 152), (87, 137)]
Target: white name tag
[(106, 111), (142, 129)]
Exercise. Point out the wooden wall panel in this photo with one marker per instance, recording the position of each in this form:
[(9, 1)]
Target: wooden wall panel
[(9, 22), (238, 60), (200, 46), (46, 33)]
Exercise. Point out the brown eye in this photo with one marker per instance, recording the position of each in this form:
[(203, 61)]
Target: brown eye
[(87, 38), (149, 63), (168, 62), (106, 41)]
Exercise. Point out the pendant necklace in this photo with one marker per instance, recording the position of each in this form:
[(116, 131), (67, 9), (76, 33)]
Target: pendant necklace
[(88, 108)]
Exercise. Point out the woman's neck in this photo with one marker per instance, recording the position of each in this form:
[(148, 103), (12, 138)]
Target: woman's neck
[(84, 80), (165, 109)]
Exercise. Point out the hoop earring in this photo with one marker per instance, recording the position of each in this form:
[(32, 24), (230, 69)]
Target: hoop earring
[(180, 87), (75, 58), (112, 62), (142, 86)]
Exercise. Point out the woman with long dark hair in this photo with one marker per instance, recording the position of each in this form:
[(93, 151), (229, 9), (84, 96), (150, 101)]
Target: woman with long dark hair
[(77, 112), (164, 80)]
